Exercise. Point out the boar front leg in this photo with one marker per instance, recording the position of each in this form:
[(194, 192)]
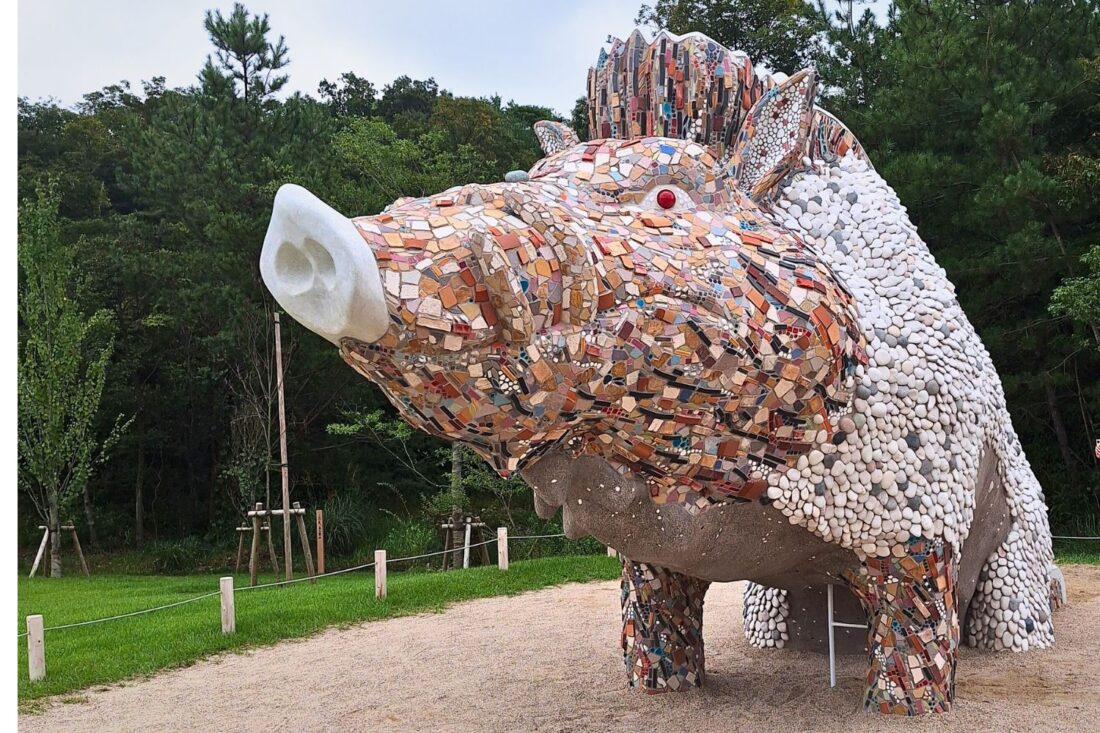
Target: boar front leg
[(914, 628), (662, 628)]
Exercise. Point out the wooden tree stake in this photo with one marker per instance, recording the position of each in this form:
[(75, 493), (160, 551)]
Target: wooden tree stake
[(303, 537), (271, 549), (41, 552), (254, 556), (80, 552), (240, 549), (36, 648)]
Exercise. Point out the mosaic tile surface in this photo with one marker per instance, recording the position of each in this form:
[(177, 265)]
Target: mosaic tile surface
[(719, 295), (694, 344), (914, 636), (688, 87), (662, 635)]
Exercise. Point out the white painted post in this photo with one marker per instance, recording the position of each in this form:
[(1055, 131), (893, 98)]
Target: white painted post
[(379, 573), (502, 548), (229, 611), (832, 647), (36, 648), (611, 551), (466, 546)]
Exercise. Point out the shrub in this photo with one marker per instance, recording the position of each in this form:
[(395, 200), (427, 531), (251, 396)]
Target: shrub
[(407, 537), (177, 556), (345, 522)]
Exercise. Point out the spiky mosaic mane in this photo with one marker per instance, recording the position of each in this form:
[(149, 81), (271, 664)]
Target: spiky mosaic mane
[(689, 87)]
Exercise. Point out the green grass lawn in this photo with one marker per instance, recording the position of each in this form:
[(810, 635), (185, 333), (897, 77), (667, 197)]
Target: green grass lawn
[(82, 657), (1081, 552), (86, 656)]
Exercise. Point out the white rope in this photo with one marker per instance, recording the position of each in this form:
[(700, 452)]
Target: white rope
[(1063, 537), (132, 613), (441, 552), (283, 582), (303, 579)]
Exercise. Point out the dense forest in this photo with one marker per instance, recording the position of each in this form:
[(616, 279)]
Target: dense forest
[(145, 208)]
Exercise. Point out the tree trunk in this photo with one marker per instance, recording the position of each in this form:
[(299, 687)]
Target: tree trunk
[(139, 498), (1059, 426), (89, 517), (55, 537), (458, 537)]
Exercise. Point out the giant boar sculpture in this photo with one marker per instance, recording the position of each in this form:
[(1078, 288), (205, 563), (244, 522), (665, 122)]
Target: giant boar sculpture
[(713, 337)]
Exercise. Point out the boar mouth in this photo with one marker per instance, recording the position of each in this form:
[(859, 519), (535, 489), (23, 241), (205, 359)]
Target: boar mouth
[(321, 271)]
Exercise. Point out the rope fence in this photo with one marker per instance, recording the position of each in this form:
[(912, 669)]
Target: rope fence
[(36, 630)]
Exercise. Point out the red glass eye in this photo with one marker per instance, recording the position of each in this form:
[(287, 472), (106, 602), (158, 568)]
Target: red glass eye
[(666, 199)]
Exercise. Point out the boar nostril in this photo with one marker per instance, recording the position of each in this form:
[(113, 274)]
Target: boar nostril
[(294, 269), (324, 268)]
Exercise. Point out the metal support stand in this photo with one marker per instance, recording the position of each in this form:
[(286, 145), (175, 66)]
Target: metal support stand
[(832, 643)]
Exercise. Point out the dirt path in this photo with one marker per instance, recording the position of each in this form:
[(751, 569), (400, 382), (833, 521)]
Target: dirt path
[(549, 661)]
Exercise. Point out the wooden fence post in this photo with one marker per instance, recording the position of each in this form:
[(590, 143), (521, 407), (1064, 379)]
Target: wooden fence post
[(502, 548), (229, 611), (466, 546), (380, 574), (320, 542), (36, 648)]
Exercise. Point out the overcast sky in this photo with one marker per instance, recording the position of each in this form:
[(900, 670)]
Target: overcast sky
[(528, 51)]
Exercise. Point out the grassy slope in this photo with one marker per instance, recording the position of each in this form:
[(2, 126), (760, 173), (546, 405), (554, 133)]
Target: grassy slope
[(93, 655)]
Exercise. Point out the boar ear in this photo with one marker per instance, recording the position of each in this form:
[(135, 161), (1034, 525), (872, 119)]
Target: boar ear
[(774, 136), (554, 136), (506, 296)]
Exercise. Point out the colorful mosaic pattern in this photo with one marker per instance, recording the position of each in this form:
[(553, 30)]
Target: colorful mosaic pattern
[(696, 346), (688, 87), (914, 636), (655, 298), (554, 137), (662, 628)]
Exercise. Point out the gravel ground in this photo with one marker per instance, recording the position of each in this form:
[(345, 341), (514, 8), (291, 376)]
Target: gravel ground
[(549, 661)]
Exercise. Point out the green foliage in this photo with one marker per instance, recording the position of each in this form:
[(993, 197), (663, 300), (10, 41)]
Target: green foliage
[(63, 360), (172, 557), (1079, 297), (982, 115), (781, 34), (346, 519), (408, 537), (974, 120), (247, 62)]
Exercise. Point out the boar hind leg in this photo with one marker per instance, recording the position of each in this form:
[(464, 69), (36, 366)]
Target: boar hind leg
[(914, 627), (764, 612), (662, 628)]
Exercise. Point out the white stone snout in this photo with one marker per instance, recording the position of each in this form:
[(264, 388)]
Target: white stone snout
[(320, 269)]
